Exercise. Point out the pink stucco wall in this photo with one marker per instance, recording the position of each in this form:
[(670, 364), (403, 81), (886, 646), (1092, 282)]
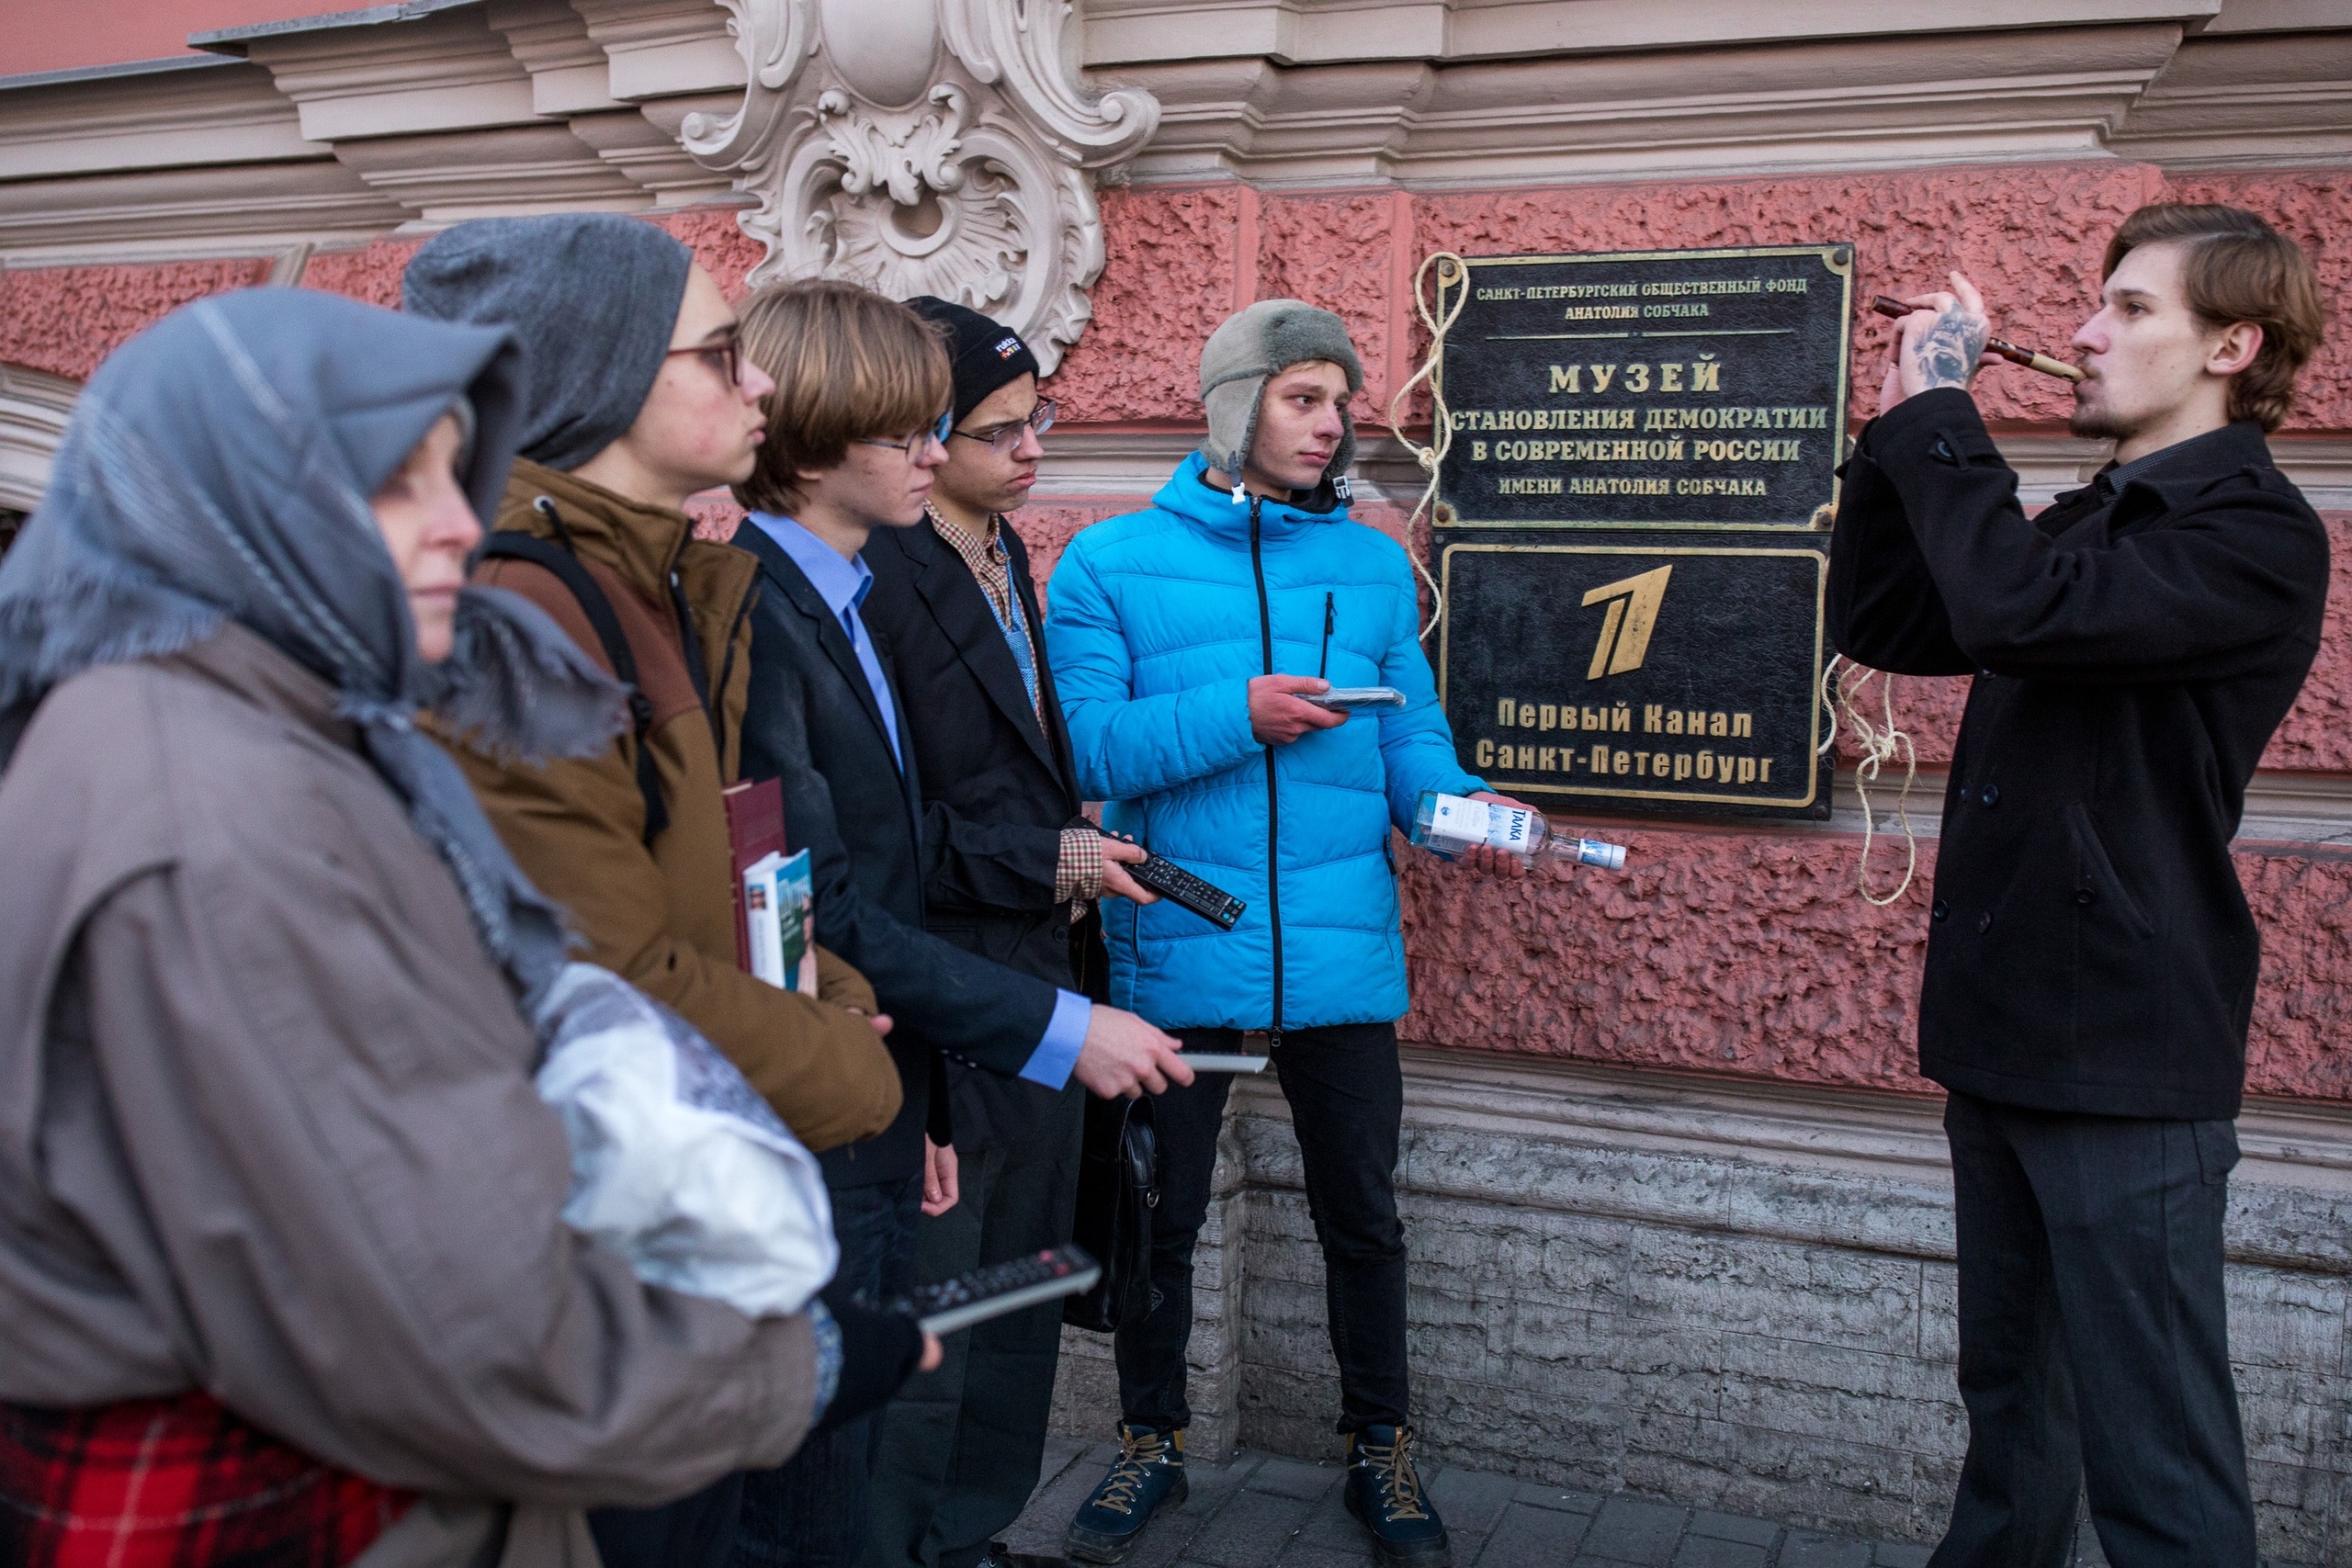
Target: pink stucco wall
[(1735, 950), (53, 35), (2030, 236), (1724, 950)]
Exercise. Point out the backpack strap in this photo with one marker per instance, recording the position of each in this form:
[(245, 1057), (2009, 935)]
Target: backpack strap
[(514, 545)]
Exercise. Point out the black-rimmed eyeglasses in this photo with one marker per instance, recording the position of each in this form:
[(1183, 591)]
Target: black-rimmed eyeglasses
[(1003, 438)]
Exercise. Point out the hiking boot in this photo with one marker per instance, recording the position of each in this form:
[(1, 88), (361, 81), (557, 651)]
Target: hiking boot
[(1385, 1492), (1149, 1473)]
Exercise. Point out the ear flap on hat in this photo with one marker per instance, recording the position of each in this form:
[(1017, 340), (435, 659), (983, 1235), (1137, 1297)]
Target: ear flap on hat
[(1232, 410)]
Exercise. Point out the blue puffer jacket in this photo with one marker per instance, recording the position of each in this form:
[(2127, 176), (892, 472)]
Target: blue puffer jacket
[(1156, 623)]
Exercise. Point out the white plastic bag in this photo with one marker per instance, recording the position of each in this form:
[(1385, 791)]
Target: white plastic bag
[(676, 1164)]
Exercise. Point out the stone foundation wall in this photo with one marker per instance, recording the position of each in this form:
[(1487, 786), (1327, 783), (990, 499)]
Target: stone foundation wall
[(1741, 1296)]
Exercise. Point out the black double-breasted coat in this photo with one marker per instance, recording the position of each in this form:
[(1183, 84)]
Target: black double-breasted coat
[(2090, 948)]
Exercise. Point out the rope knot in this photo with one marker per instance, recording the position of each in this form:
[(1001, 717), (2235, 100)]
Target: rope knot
[(1877, 745)]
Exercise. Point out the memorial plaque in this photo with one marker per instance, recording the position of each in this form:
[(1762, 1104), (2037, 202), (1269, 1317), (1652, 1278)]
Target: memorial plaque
[(1666, 676), (1632, 530), (1661, 387)]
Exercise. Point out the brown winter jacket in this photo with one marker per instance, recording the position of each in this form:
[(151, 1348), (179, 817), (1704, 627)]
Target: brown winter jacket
[(664, 917), (267, 1129)]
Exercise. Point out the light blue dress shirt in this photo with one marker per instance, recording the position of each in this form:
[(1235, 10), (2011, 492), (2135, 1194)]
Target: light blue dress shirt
[(842, 583)]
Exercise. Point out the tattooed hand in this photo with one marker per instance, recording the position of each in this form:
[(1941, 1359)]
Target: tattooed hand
[(1937, 345)]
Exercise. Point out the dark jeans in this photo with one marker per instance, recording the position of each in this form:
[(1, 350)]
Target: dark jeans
[(1347, 1098), (696, 1531), (810, 1512), (961, 1446), (2093, 1341)]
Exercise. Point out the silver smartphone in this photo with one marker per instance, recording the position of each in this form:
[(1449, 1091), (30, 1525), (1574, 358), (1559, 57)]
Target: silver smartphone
[(1355, 699)]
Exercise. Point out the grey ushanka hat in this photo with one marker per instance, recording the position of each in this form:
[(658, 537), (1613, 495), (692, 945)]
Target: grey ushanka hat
[(1265, 340)]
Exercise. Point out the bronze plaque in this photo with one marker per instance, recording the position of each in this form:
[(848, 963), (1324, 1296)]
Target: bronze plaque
[(1632, 531)]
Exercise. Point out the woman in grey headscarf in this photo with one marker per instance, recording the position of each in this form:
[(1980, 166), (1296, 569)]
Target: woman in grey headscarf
[(283, 1275)]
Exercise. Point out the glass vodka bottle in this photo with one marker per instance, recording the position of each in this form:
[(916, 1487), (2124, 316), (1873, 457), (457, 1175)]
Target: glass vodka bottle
[(1449, 824)]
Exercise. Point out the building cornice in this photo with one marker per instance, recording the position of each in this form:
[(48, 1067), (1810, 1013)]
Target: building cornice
[(417, 114)]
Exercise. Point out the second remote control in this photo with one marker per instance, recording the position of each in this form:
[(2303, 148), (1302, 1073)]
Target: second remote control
[(1180, 887)]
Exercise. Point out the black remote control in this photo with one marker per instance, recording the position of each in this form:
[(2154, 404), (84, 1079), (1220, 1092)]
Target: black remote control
[(1180, 887), (999, 1289)]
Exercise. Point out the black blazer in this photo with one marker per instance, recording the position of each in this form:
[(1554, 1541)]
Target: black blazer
[(2090, 948), (812, 723), (998, 789)]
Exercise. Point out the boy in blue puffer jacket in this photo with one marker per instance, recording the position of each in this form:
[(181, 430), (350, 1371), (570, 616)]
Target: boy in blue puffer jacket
[(1185, 639)]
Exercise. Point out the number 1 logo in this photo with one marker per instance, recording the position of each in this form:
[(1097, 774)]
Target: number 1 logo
[(1633, 615)]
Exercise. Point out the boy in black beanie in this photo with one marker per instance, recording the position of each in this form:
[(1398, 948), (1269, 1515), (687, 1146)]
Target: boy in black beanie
[(1016, 881)]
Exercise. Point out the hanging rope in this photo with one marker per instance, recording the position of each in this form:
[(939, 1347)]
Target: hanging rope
[(1876, 745), (1452, 272)]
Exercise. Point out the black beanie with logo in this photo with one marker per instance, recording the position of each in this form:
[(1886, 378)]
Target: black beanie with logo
[(985, 352)]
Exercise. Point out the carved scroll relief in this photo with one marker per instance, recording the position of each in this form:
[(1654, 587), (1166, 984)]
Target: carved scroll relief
[(926, 147)]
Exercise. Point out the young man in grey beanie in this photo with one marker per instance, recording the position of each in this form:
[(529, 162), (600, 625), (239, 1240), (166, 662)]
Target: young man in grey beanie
[(638, 397), (1015, 880), (1187, 640)]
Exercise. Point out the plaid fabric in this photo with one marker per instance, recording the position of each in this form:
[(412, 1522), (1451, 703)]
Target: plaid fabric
[(985, 557), (174, 1482), (1077, 877)]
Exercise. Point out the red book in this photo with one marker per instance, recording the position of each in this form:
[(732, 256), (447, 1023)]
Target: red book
[(755, 828)]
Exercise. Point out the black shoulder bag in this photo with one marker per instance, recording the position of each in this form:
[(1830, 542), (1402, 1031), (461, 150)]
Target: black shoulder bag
[(1118, 1187)]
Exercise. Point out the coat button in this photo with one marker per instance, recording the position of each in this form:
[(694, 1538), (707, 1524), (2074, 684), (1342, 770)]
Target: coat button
[(1984, 923), (1940, 910), (2081, 894), (1991, 796)]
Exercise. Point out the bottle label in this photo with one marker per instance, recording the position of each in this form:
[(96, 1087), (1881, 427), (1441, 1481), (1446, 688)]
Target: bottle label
[(1457, 823)]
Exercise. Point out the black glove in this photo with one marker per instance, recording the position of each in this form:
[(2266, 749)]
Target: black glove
[(879, 1350)]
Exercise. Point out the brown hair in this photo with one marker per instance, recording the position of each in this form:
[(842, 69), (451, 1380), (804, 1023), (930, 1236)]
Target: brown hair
[(2238, 269), (848, 364)]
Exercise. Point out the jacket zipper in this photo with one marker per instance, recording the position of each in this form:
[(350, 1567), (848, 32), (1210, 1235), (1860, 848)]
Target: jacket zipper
[(1274, 792), (1330, 625)]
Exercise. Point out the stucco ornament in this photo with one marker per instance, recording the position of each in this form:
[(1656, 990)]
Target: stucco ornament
[(926, 147)]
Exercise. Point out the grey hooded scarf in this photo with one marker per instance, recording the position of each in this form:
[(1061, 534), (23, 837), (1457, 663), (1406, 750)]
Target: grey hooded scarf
[(1259, 343), (591, 296), (219, 467)]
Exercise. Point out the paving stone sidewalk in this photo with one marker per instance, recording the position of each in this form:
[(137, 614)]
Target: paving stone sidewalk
[(1260, 1510)]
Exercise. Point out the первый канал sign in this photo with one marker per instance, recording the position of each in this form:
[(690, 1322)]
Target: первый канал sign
[(1634, 510)]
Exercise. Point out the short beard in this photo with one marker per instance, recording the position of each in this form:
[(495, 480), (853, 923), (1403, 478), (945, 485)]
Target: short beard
[(2100, 424)]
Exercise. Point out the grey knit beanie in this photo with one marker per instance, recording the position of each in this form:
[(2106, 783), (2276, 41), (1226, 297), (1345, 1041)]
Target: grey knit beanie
[(1262, 341), (593, 296)]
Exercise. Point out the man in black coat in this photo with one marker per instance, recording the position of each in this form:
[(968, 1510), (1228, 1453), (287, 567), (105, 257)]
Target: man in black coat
[(853, 438), (1012, 871), (2091, 960)]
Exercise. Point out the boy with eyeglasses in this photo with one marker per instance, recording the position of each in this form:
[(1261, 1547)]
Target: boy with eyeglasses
[(1012, 874), (637, 398), (856, 422)]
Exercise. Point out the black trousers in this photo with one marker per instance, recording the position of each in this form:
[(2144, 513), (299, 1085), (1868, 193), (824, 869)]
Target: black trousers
[(961, 1446), (2093, 1341), (1347, 1099), (810, 1511)]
